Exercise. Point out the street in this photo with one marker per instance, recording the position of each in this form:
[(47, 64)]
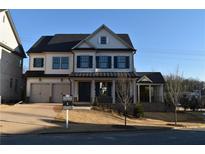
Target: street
[(165, 137)]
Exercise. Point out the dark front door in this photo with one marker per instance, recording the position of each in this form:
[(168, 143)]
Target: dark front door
[(84, 91)]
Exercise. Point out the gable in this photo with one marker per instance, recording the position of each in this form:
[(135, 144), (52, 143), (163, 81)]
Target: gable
[(144, 79), (8, 35), (113, 42), (85, 45)]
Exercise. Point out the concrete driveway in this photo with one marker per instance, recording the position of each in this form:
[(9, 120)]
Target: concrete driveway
[(25, 118)]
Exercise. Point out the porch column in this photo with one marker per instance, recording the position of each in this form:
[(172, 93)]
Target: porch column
[(113, 91), (150, 94), (134, 91), (138, 93), (93, 91)]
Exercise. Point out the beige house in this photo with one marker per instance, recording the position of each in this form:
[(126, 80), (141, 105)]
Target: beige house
[(11, 60), (87, 66)]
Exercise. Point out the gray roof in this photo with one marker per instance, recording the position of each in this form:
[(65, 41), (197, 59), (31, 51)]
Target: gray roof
[(65, 42), (156, 77)]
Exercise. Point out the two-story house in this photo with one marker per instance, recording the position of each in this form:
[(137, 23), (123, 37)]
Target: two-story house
[(87, 66), (11, 60)]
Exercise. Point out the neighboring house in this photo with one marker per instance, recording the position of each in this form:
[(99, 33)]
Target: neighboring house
[(86, 66), (11, 60)]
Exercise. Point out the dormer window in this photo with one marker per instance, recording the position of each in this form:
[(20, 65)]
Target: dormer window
[(103, 40)]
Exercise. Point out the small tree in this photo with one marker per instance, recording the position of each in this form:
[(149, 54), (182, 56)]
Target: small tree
[(123, 93), (174, 90)]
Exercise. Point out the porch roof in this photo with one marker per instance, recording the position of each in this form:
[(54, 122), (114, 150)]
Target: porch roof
[(155, 77), (83, 74)]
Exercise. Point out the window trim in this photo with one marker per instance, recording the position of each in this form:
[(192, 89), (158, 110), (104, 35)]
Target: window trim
[(109, 64), (106, 40), (82, 66), (60, 63), (36, 58), (116, 63)]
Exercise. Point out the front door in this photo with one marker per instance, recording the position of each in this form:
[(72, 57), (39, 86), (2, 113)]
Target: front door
[(84, 91)]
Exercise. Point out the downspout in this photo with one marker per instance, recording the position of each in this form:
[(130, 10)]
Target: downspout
[(71, 73)]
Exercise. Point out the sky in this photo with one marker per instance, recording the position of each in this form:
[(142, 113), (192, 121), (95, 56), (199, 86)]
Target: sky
[(164, 39)]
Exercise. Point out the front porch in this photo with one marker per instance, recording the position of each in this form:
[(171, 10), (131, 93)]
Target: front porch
[(104, 91)]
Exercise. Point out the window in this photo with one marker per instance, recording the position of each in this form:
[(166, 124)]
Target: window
[(11, 83), (103, 40), (64, 63), (60, 62), (121, 62), (103, 61), (16, 85), (84, 61), (38, 62)]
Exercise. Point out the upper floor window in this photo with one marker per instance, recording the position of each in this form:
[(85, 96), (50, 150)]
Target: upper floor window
[(103, 61), (38, 62), (103, 40), (84, 61), (60, 62), (121, 62)]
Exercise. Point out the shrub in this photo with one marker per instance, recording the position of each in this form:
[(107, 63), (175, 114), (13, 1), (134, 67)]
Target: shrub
[(138, 111)]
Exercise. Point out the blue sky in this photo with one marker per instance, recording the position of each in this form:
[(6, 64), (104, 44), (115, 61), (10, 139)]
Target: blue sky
[(164, 39)]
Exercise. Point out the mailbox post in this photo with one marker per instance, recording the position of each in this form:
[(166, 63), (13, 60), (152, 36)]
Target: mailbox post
[(67, 105)]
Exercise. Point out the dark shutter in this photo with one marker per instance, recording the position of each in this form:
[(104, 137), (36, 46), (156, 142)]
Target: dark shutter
[(78, 61), (115, 62), (109, 62), (97, 61), (127, 62), (34, 62), (42, 62), (90, 61)]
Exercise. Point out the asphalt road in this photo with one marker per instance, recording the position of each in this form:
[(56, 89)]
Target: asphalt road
[(165, 137)]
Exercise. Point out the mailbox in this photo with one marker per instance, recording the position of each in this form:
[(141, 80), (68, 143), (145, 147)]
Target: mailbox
[(67, 102)]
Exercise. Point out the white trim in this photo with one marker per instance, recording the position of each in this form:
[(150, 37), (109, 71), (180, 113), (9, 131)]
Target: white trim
[(144, 79), (110, 31)]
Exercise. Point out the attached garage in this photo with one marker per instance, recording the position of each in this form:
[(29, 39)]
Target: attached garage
[(58, 90), (40, 92)]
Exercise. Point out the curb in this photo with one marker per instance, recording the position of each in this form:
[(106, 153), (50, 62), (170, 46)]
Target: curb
[(92, 132)]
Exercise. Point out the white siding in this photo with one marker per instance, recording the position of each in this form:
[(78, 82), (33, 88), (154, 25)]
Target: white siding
[(7, 36), (48, 62), (108, 53), (31, 60), (113, 42), (50, 70)]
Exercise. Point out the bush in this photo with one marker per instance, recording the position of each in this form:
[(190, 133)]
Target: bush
[(138, 111)]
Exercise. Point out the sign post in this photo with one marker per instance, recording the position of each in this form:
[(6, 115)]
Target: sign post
[(67, 118), (67, 105)]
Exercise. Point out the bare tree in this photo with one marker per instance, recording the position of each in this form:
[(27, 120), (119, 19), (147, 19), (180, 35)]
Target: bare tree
[(174, 90), (123, 93)]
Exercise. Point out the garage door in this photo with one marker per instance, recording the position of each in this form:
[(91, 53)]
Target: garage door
[(58, 91), (40, 92)]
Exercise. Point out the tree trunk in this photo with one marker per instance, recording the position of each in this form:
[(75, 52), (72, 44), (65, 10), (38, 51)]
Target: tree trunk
[(175, 115)]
